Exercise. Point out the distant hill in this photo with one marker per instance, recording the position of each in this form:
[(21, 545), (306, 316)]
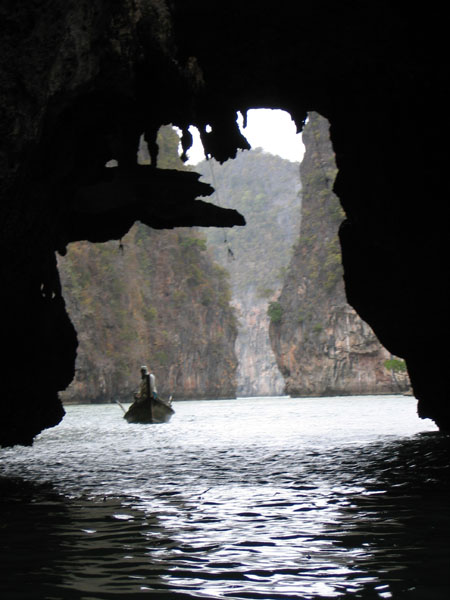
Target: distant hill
[(265, 189)]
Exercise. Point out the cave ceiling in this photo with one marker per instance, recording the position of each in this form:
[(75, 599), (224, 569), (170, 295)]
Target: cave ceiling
[(82, 80)]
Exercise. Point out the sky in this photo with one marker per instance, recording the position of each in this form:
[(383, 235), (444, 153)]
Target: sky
[(272, 130)]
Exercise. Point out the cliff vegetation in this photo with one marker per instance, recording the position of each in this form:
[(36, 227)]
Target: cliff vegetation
[(155, 298)]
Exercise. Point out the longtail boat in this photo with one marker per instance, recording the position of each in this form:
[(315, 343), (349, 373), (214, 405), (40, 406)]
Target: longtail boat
[(149, 410), (147, 406)]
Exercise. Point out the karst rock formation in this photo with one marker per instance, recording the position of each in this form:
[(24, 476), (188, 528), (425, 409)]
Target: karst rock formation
[(322, 346), (82, 80)]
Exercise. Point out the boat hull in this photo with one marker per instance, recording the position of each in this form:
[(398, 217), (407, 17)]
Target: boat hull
[(149, 411)]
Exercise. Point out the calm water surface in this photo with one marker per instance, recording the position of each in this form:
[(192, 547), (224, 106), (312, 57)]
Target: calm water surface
[(253, 498)]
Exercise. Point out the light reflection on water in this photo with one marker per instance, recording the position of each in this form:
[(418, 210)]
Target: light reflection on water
[(251, 498)]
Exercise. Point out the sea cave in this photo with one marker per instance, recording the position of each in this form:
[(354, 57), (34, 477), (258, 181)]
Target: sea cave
[(83, 81)]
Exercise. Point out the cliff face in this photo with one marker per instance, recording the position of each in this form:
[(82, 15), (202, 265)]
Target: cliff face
[(322, 346), (258, 373), (265, 189), (157, 299)]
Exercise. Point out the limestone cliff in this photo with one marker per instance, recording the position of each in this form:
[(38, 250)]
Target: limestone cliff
[(155, 298), (264, 188), (322, 346), (258, 373)]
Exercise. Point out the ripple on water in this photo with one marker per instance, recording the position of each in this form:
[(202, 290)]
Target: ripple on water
[(322, 499)]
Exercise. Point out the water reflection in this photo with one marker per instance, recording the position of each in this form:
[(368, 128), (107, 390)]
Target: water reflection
[(52, 547), (30, 516), (361, 516), (403, 517)]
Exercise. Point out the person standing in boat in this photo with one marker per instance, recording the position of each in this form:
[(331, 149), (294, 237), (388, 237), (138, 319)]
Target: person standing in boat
[(148, 385), (153, 390)]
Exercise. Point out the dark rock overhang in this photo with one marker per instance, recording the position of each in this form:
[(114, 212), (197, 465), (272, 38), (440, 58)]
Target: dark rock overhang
[(161, 199)]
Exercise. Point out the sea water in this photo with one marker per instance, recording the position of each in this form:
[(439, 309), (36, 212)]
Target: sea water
[(260, 498)]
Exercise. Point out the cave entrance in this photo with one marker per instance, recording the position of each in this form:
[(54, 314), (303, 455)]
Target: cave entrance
[(297, 334), (156, 296), (177, 297)]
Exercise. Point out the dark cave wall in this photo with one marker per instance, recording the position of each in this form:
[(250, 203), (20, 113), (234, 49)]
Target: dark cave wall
[(393, 247), (82, 80)]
